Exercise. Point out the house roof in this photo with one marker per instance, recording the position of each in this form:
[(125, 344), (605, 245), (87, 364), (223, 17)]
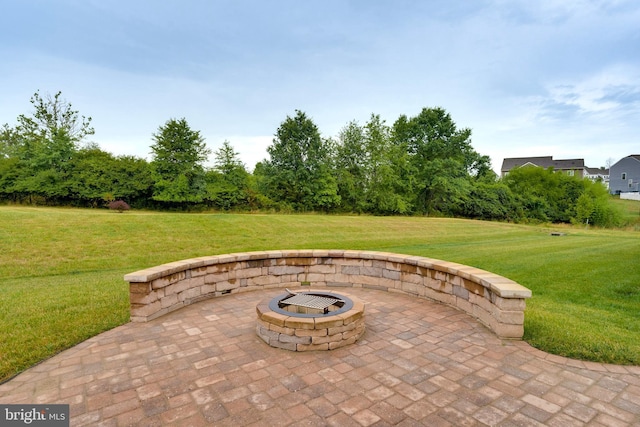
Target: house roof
[(543, 162), (632, 156), (597, 171)]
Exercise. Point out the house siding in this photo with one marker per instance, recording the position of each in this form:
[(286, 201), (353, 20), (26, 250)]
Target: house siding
[(630, 166)]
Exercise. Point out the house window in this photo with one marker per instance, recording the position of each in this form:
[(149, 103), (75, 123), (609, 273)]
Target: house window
[(624, 176), (570, 172)]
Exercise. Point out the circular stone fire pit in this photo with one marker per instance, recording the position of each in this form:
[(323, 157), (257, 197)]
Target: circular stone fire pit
[(310, 320)]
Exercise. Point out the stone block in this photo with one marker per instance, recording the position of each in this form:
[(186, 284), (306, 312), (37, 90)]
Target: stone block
[(340, 329), (328, 322), (412, 278), (509, 317), (463, 304), (312, 347), (216, 277), (200, 271), (274, 318), (282, 330), (262, 307), (266, 334), (326, 339), (248, 272), (263, 280), (255, 263), (168, 280), (391, 274), (508, 331), (350, 261), (322, 269), (299, 323), (352, 270), (473, 287), (311, 332), (140, 288), (371, 271), (410, 288), (342, 343), (339, 285), (484, 316), (227, 285), (508, 303), (294, 339), (280, 270), (410, 269), (374, 281), (440, 296), (189, 294), (298, 261), (145, 310), (148, 298), (169, 300), (460, 292), (353, 333), (176, 288), (208, 289), (480, 301), (311, 277), (291, 346), (350, 315)]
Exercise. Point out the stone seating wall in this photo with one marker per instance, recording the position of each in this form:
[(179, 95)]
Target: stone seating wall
[(495, 301)]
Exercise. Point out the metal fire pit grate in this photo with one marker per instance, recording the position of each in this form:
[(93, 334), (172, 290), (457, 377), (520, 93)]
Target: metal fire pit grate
[(311, 301)]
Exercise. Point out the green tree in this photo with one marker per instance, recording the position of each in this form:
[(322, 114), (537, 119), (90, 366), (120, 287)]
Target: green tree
[(228, 182), (299, 171), (44, 143), (351, 168), (178, 156), (442, 160), (97, 177)]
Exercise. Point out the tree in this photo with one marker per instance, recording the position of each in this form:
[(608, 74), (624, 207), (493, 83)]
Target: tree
[(299, 171), (49, 137), (228, 182), (441, 157), (178, 156), (44, 143), (97, 177), (351, 166)]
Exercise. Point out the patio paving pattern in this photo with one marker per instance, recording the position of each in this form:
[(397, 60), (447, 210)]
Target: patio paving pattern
[(419, 363)]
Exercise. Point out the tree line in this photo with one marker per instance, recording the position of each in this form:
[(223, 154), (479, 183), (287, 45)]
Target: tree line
[(419, 165)]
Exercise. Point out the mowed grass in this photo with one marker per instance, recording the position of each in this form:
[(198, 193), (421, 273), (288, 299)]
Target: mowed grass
[(62, 270)]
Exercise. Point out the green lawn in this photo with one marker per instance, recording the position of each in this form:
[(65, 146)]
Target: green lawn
[(62, 270)]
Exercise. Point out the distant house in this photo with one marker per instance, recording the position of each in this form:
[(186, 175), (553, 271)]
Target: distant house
[(571, 167), (598, 174), (624, 176)]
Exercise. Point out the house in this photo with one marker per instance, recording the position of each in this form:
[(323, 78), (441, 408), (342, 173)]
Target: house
[(624, 176), (598, 175), (571, 167)]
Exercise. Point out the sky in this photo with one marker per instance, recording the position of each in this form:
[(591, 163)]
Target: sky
[(554, 78)]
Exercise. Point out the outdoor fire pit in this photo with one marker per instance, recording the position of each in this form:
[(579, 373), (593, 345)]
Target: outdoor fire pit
[(310, 320)]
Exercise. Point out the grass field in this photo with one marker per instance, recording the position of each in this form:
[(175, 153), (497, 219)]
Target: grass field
[(63, 270)]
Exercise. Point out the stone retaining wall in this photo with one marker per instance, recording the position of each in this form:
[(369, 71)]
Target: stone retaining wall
[(494, 300)]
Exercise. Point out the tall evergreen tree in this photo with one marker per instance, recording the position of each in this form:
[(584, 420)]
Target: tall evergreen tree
[(178, 156), (299, 171)]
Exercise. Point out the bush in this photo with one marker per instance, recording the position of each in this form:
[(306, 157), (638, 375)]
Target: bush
[(119, 205)]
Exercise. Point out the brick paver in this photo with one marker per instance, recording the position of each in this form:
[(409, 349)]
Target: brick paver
[(419, 363)]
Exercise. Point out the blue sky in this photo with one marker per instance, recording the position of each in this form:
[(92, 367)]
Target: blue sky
[(529, 78)]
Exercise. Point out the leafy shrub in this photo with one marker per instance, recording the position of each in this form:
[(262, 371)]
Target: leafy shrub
[(119, 205)]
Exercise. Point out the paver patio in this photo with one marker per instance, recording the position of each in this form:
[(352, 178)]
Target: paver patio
[(419, 363)]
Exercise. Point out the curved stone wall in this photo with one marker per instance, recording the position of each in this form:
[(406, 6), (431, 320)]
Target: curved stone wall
[(494, 300)]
